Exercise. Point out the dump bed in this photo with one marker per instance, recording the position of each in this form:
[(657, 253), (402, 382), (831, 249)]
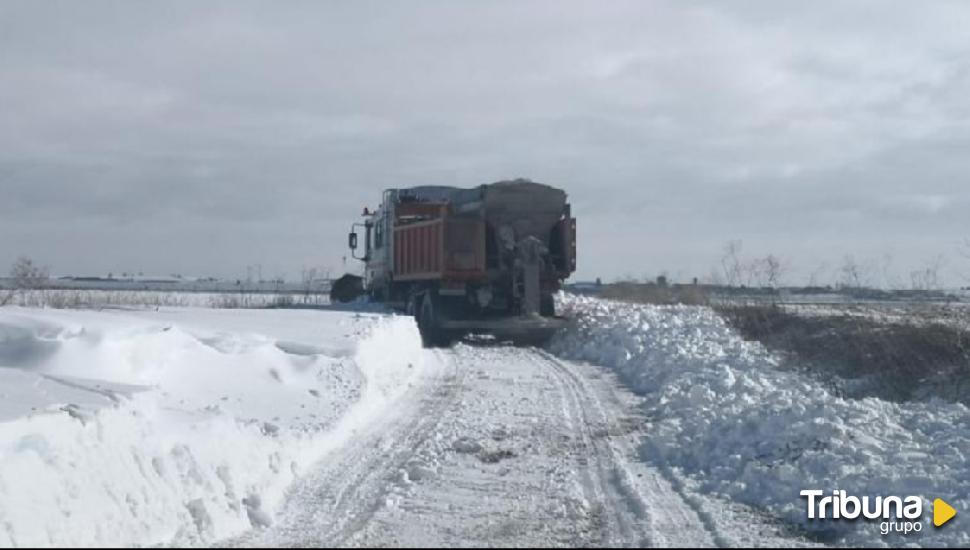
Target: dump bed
[(437, 245), (443, 232)]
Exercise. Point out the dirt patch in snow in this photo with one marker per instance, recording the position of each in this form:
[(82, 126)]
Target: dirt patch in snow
[(863, 356)]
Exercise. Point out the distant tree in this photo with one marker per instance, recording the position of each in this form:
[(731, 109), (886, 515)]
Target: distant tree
[(24, 275), (731, 263), (307, 277), (890, 278), (754, 273), (774, 269), (27, 275), (964, 251), (764, 272), (933, 272), (851, 272), (928, 278)]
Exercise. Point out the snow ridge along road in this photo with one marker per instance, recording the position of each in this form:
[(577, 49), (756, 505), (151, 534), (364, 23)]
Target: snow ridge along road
[(182, 426), (740, 431), (337, 499), (506, 447)]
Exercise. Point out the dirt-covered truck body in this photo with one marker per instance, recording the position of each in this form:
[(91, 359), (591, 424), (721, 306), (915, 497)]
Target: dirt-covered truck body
[(481, 260)]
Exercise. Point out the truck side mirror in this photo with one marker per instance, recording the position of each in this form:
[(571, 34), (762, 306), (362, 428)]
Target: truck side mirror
[(352, 241)]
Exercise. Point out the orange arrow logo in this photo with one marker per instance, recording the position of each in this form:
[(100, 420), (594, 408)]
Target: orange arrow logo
[(942, 512)]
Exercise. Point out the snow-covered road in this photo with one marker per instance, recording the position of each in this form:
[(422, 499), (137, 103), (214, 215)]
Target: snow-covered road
[(504, 447), (638, 426)]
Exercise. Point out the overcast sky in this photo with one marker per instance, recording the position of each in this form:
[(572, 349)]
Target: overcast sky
[(202, 137)]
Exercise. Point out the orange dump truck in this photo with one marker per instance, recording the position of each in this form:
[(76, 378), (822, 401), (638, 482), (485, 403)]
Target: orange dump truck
[(483, 260)]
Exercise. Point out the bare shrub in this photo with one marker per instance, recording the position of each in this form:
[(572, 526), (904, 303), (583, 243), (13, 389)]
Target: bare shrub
[(850, 272), (227, 301), (927, 278), (283, 301), (774, 269), (898, 359), (64, 300), (67, 298), (25, 276), (766, 272), (307, 278), (245, 300), (731, 263)]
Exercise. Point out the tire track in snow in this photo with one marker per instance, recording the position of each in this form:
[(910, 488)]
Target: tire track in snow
[(624, 524), (653, 498), (399, 450), (581, 469), (677, 515), (536, 483), (329, 506)]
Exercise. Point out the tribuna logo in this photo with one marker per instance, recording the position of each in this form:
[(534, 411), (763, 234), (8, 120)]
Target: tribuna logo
[(898, 514)]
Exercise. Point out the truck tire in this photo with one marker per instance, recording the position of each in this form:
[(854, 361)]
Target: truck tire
[(432, 335), (547, 306)]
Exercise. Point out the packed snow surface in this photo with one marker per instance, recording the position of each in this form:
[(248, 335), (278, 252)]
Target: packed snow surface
[(254, 427), (180, 425), (724, 414), (511, 448)]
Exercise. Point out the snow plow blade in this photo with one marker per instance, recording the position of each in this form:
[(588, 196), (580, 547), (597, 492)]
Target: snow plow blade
[(520, 330)]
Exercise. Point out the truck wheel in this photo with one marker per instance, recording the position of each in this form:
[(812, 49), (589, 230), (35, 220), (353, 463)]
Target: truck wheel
[(432, 335), (547, 306)]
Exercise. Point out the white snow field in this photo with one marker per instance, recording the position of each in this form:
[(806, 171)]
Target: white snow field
[(639, 426), (724, 418), (182, 425)]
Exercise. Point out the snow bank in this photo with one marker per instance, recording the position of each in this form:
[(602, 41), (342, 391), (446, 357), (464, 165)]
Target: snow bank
[(180, 426), (727, 417)]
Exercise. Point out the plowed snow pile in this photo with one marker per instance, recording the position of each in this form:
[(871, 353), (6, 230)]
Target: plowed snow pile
[(732, 423), (181, 425)]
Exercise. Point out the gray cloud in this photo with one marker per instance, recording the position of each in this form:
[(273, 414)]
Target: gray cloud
[(201, 138)]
